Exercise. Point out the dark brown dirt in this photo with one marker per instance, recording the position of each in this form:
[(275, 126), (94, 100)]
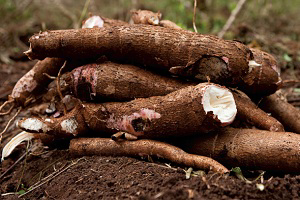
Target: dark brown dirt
[(129, 178)]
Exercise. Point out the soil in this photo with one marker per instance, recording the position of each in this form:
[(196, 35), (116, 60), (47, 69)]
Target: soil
[(52, 173)]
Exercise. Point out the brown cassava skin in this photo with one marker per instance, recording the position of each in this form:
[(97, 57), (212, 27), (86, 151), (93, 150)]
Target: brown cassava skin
[(164, 49), (262, 80), (112, 22), (115, 82), (119, 82), (34, 81), (179, 113), (145, 17), (109, 147), (248, 148), (249, 112), (169, 24), (286, 113)]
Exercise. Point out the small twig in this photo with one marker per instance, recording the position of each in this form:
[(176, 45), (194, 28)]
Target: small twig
[(9, 193), (57, 173), (9, 122), (291, 81), (194, 16), (13, 165), (231, 18), (4, 104), (47, 177), (9, 110), (40, 173), (58, 86), (50, 77)]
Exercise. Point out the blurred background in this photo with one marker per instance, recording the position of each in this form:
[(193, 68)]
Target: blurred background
[(271, 25)]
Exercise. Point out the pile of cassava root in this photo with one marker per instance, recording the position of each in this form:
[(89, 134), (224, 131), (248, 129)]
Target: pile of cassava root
[(130, 86)]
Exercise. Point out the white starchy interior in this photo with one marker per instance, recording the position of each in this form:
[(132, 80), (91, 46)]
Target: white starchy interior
[(69, 125), (156, 21), (15, 141), (33, 124), (94, 21), (221, 102), (252, 64)]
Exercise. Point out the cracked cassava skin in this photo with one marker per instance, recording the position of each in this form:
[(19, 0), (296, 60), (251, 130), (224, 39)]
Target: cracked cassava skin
[(248, 148), (34, 81), (145, 17), (115, 82), (120, 82), (109, 147), (152, 46), (179, 113), (262, 80)]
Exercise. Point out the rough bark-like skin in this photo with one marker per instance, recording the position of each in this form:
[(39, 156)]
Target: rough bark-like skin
[(116, 82), (34, 80), (112, 22), (250, 112), (145, 45), (169, 24), (249, 148), (286, 113), (108, 147), (262, 80), (145, 17), (179, 113)]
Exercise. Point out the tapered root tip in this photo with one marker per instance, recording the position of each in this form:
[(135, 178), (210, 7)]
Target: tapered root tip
[(14, 142), (29, 53), (221, 103)]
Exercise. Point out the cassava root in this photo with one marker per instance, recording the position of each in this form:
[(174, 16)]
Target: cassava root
[(286, 113), (187, 111), (35, 80), (193, 55), (118, 82), (114, 82), (109, 147), (251, 113), (248, 148), (152, 46)]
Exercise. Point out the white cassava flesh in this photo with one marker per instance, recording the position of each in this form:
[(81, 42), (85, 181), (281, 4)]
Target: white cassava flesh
[(252, 64), (34, 125), (220, 101), (94, 21), (15, 141)]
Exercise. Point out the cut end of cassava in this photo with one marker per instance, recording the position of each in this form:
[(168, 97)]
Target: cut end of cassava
[(14, 142), (93, 21), (33, 125), (221, 103)]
